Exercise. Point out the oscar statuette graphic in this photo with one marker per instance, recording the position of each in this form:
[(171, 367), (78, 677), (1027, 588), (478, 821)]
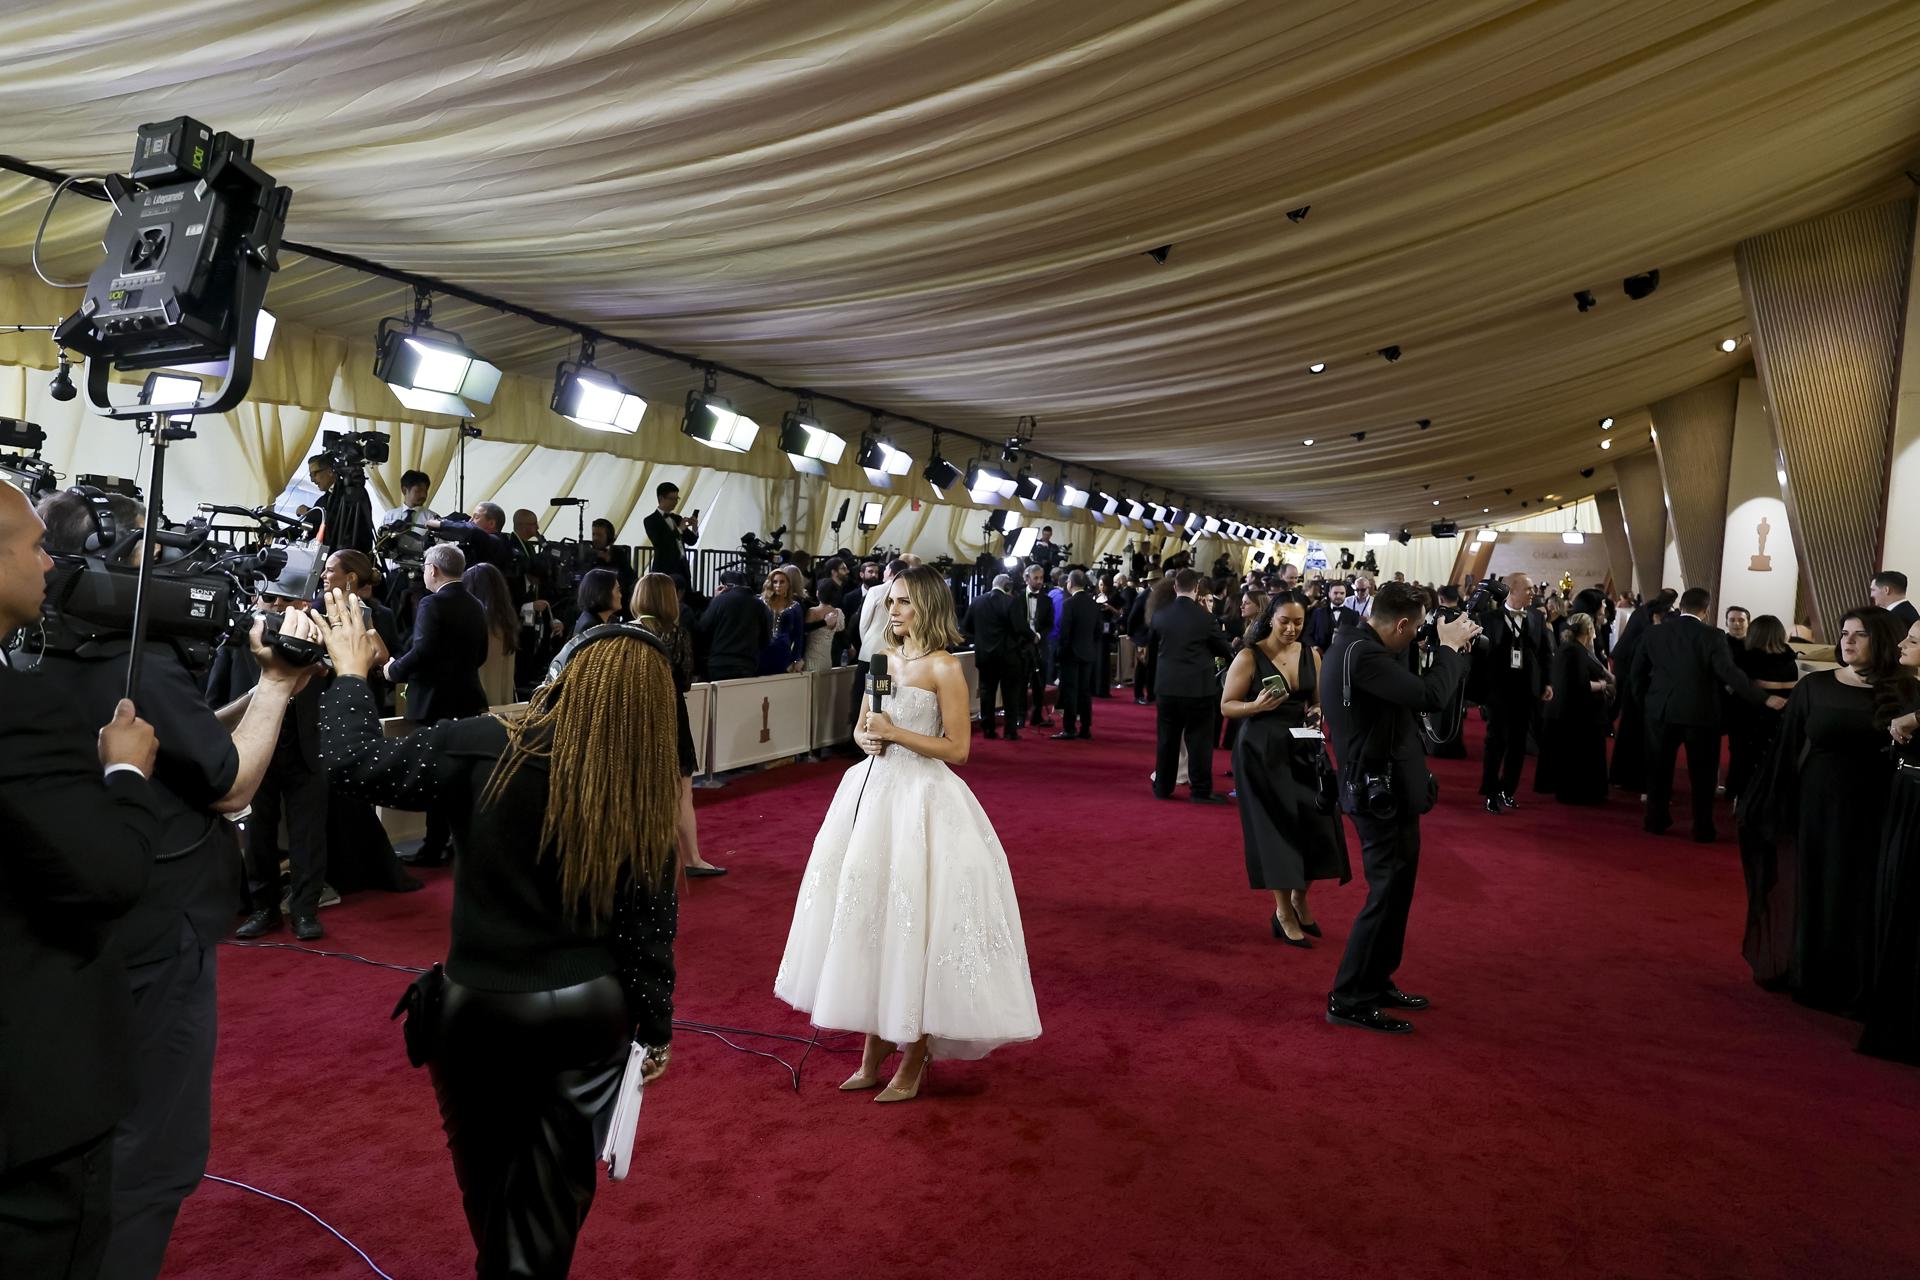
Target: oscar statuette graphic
[(1761, 562), (766, 713)]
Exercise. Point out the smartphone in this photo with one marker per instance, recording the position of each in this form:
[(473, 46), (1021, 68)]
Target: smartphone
[(1277, 683)]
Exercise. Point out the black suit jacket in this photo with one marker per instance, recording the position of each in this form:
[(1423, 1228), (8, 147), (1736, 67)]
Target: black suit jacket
[(1904, 613), (236, 671), (1324, 621), (991, 626), (736, 627), (1493, 677), (442, 668), (1190, 640), (669, 540), (1377, 729), (481, 547), (76, 855), (1042, 610), (1680, 669), (1080, 628)]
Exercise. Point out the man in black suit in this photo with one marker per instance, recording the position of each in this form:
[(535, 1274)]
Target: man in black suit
[(1888, 590), (441, 669), (992, 624), (1370, 697), (736, 627), (1036, 603), (669, 534), (81, 834), (1328, 618), (1678, 673), (1186, 689), (1079, 656), (1510, 674), (483, 539)]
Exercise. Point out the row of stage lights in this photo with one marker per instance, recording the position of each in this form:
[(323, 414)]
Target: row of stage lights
[(432, 371)]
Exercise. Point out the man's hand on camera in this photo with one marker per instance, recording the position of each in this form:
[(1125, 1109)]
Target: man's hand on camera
[(274, 668), (350, 642), (127, 739), (1457, 633)]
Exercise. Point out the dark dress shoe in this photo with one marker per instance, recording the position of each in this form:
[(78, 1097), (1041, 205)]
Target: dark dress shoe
[(1211, 799), (1139, 702), (1706, 837), (988, 733), (307, 929), (1281, 934), (1494, 806), (1395, 998), (404, 883), (1063, 736), (1368, 1018), (265, 920), (1012, 736), (425, 858), (1656, 828), (696, 873), (1506, 798), (1084, 736), (1041, 723)]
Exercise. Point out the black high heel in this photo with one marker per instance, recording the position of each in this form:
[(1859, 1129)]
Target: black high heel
[(1311, 930), (1281, 934)]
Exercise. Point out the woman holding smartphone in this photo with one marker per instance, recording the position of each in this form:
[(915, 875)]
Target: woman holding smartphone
[(1272, 689)]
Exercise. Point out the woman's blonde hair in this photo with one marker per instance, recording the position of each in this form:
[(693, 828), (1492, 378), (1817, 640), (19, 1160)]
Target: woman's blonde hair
[(613, 780), (1580, 626), (766, 587), (935, 625), (655, 597)]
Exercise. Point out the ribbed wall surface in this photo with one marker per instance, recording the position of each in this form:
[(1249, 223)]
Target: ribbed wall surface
[(1695, 447), (1613, 527), (1643, 505), (1826, 300)]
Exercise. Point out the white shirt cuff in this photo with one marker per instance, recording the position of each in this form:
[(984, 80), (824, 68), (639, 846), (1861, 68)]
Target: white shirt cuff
[(134, 769)]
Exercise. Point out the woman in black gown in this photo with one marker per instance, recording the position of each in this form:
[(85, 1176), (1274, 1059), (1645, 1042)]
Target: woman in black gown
[(1893, 1002), (1751, 726), (1830, 763), (1577, 717), (1290, 841), (1629, 768)]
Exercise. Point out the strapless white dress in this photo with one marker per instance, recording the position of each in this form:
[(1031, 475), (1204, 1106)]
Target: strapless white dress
[(906, 923)]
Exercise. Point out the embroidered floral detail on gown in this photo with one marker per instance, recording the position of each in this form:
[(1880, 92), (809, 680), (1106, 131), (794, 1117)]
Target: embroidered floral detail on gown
[(906, 923)]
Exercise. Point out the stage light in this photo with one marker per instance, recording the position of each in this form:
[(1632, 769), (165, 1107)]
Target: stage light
[(1213, 524), (1642, 285), (1729, 345), (170, 391), (1308, 442), (1131, 509), (1390, 354), (1318, 366), (1606, 444), (1298, 215), (940, 473), (1375, 538), (1585, 300), (1781, 476), (1031, 488), (1193, 522), (1103, 503), (810, 447), (713, 421), (1424, 423), (1406, 535), (1486, 511), (1573, 537), (1436, 502), (1070, 497), (1606, 424), (1487, 535), (430, 371), (880, 459), (1022, 545), (870, 514), (595, 400), (1160, 255), (1360, 435), (987, 484)]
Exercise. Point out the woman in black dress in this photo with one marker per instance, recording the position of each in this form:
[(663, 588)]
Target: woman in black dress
[(1893, 1003), (1629, 768), (1577, 717), (1830, 764), (600, 599), (1290, 839), (1751, 726)]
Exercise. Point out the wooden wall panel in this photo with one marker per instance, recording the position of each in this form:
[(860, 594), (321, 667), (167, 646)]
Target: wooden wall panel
[(1694, 442), (1826, 300), (1613, 527), (1643, 508)]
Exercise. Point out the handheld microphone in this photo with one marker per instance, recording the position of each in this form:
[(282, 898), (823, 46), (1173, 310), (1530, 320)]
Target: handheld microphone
[(878, 682), (566, 502)]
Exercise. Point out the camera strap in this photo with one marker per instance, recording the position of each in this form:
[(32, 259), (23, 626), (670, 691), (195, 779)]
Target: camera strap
[(1346, 701)]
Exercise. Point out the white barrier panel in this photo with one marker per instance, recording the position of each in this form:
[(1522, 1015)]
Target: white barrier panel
[(833, 706), (1125, 656), (767, 718), (969, 663), (699, 707)]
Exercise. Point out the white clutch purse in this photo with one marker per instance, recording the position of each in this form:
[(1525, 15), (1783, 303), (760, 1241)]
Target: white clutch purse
[(617, 1153)]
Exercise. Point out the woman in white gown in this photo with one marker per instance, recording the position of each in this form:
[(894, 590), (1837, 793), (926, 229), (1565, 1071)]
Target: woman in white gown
[(906, 926)]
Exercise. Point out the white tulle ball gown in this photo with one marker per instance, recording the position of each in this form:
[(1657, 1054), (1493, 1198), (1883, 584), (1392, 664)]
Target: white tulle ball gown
[(906, 923)]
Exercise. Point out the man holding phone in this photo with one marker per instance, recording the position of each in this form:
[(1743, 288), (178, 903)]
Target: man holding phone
[(669, 534)]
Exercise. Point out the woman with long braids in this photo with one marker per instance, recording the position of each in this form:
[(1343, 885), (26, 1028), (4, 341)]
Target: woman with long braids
[(563, 917), (906, 926)]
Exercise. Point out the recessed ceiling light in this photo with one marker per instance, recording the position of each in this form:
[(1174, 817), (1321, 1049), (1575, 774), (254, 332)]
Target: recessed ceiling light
[(1781, 476), (1485, 510), (1729, 345), (1606, 424), (1318, 366), (1308, 440), (1606, 444), (1436, 502)]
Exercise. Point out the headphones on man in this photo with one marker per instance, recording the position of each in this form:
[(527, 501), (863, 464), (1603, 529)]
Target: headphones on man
[(593, 635), (106, 530)]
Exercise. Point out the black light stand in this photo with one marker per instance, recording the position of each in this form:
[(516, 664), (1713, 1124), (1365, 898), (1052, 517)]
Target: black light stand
[(466, 430), (164, 428)]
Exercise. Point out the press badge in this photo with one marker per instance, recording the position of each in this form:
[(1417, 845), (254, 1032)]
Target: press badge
[(1515, 655)]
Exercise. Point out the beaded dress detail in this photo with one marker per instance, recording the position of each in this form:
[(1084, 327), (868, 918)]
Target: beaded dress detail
[(906, 923)]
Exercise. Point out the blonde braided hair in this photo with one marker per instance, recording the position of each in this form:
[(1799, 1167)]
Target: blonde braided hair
[(607, 727)]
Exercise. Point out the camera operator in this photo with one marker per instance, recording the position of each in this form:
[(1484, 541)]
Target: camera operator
[(82, 830), (209, 765), (481, 540), (1369, 705), (344, 514), (413, 511)]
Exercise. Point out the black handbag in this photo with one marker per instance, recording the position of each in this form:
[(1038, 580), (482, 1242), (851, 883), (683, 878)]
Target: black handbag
[(422, 1002)]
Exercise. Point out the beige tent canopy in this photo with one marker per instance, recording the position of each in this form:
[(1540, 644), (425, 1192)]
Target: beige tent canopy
[(943, 207)]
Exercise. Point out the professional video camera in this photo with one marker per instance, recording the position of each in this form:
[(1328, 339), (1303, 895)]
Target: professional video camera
[(1489, 590), (1113, 562), (28, 472), (758, 555), (351, 451)]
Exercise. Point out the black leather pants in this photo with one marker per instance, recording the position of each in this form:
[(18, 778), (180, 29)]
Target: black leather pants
[(526, 1083)]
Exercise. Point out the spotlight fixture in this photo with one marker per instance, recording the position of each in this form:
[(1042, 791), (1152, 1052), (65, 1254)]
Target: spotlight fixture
[(1642, 285), (1586, 473), (1729, 345), (986, 483), (1031, 488), (940, 473), (428, 368), (593, 399), (1405, 535), (1103, 503), (1606, 444), (1017, 443), (1193, 522), (1298, 215), (1308, 442), (1003, 521), (1071, 499), (1436, 502), (1486, 511), (61, 388), (170, 390), (1585, 300), (870, 514), (1606, 424), (1318, 366), (1160, 255), (1423, 423), (809, 446), (1780, 474), (712, 420), (1487, 535), (1022, 546), (1573, 537), (1359, 435), (1390, 354), (880, 459), (1377, 538)]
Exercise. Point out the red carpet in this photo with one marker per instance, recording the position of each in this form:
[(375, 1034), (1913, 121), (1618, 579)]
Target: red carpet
[(1599, 1089)]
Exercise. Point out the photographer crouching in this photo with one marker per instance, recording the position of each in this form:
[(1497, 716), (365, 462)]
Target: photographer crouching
[(82, 831), (1369, 701), (563, 915), (209, 765)]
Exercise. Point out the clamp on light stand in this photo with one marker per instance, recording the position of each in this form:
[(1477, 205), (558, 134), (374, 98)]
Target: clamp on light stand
[(467, 431), (165, 428)]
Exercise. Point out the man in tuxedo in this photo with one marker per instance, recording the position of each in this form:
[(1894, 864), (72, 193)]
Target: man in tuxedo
[(1036, 602), (608, 556), (1678, 672), (993, 624), (736, 627), (1186, 689), (669, 534), (1510, 675), (441, 669), (82, 830), (1079, 658), (1888, 590), (1328, 618), (1370, 699), (483, 539)]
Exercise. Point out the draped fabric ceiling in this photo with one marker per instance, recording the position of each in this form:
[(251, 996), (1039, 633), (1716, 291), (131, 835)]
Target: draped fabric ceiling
[(940, 207)]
